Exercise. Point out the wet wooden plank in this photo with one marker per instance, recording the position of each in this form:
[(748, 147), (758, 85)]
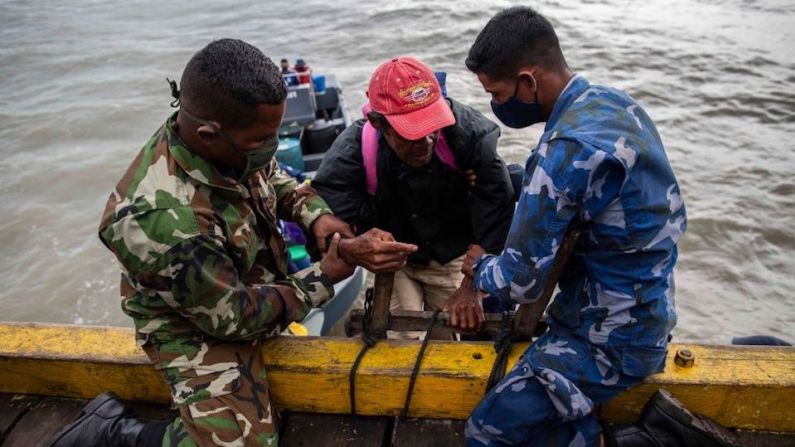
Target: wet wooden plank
[(12, 408), (41, 422), (428, 433), (331, 430), (32, 421), (52, 414), (766, 439)]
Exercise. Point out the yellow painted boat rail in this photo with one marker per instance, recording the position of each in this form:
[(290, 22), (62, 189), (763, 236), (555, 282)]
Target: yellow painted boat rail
[(743, 387)]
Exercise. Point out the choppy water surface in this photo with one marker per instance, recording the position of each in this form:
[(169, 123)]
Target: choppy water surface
[(82, 87)]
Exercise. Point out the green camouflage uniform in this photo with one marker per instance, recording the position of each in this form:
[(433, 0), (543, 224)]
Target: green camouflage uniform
[(204, 270)]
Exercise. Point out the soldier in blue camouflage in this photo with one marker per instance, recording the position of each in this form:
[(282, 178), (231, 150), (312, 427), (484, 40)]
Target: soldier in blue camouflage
[(600, 165), (193, 223)]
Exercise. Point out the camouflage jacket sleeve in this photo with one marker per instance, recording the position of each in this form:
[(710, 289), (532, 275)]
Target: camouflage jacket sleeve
[(298, 203), (205, 288), (576, 181)]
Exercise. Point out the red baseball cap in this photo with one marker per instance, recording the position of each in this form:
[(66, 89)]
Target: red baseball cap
[(407, 93)]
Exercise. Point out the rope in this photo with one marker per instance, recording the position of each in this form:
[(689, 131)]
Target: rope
[(502, 346), (416, 370), (370, 339)]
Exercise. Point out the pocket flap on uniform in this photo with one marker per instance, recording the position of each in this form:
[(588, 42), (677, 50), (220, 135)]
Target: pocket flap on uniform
[(642, 361), (206, 386)]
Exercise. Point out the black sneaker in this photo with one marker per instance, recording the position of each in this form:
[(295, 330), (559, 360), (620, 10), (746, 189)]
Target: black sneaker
[(104, 421), (670, 423), (627, 435)]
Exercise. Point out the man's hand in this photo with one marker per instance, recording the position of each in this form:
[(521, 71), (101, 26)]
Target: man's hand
[(332, 265), (326, 225), (376, 251), (473, 253), (465, 307)]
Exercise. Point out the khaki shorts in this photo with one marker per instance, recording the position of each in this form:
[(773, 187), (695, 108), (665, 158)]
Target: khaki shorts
[(424, 287)]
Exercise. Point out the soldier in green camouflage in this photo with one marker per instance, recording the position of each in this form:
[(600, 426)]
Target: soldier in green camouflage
[(193, 223)]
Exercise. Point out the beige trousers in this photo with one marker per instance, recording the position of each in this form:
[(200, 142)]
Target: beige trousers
[(424, 287)]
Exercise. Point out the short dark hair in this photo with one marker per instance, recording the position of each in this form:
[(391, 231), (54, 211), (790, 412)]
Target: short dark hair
[(228, 79), (514, 38)]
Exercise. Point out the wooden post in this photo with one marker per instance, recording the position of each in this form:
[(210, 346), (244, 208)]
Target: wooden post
[(528, 315), (382, 293)]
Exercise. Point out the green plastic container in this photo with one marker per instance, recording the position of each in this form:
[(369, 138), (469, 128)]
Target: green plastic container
[(299, 256), (289, 153)]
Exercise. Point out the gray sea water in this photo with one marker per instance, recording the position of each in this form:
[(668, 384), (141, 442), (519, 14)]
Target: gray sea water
[(82, 87)]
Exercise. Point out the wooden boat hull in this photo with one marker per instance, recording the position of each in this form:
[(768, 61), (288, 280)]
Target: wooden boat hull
[(742, 387)]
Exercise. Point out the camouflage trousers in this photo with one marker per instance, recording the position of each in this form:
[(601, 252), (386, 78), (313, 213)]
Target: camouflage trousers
[(548, 398), (220, 390)]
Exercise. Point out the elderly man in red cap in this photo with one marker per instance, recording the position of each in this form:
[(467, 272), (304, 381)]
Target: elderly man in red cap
[(425, 168)]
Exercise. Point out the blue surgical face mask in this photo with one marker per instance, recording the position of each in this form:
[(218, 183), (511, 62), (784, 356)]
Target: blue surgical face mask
[(516, 113)]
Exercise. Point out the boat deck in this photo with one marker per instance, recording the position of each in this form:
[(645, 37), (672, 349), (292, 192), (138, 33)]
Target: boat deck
[(31, 420)]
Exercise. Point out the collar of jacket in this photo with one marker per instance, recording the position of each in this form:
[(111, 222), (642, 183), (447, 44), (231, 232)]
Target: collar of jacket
[(195, 166), (570, 94)]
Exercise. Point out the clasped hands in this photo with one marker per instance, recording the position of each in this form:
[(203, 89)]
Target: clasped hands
[(375, 250), (378, 251)]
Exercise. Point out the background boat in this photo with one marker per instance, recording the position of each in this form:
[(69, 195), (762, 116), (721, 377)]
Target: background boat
[(314, 116)]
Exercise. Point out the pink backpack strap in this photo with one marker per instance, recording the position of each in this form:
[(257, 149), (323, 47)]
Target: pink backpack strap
[(369, 157), (444, 153), (366, 108)]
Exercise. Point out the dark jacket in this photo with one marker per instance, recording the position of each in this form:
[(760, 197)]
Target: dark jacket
[(432, 206)]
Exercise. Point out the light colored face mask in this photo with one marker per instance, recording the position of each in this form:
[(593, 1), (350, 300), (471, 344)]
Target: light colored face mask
[(256, 159)]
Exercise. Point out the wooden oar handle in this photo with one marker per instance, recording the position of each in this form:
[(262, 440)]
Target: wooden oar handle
[(382, 293)]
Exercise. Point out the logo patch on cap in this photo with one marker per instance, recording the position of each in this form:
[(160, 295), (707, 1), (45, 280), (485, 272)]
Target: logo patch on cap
[(417, 95)]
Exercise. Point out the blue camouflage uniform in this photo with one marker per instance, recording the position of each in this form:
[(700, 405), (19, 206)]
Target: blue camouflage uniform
[(599, 165)]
